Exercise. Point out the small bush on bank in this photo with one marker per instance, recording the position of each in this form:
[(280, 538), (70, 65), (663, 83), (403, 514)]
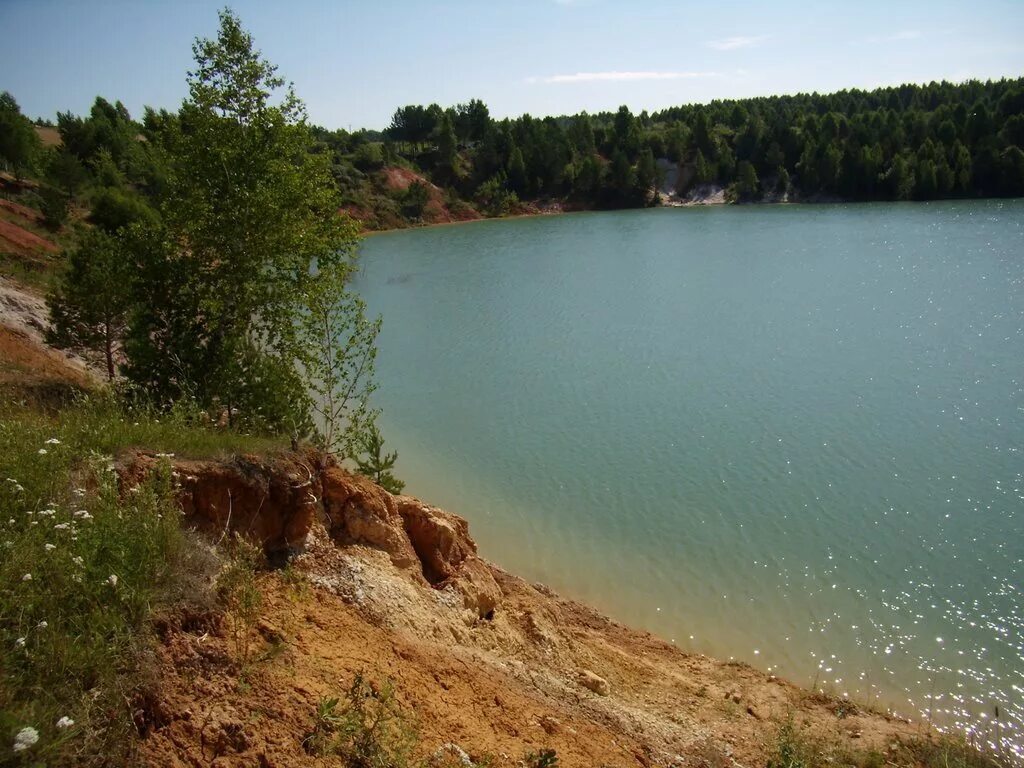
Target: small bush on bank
[(367, 728)]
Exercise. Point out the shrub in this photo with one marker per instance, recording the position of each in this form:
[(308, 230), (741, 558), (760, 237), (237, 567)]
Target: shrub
[(367, 729), (237, 587)]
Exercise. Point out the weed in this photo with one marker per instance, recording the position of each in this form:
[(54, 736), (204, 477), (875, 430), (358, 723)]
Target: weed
[(368, 728), (80, 573), (546, 758), (240, 594)]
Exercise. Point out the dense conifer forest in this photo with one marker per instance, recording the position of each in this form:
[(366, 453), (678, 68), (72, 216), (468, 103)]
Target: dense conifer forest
[(912, 142)]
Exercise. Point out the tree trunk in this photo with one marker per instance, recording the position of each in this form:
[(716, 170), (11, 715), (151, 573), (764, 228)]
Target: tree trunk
[(108, 344)]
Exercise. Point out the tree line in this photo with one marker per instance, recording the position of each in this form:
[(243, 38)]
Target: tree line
[(912, 142)]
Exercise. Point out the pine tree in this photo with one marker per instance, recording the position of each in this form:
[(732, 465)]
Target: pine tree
[(377, 464)]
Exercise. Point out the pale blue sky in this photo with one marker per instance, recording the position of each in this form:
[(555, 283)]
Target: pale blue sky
[(354, 62)]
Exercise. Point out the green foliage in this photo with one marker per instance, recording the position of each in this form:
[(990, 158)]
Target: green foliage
[(494, 196), (82, 569), (366, 729), (115, 209), (54, 205), (545, 758), (239, 593), (19, 144), (748, 187), (368, 157), (377, 464), (337, 354), (66, 171), (89, 305), (414, 200), (248, 210)]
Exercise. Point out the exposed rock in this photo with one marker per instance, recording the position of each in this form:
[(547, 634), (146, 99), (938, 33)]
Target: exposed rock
[(361, 512), (596, 683), (480, 592), (551, 725), (440, 539), (272, 502)]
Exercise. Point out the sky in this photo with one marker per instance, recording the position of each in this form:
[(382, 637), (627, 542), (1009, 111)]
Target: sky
[(354, 62)]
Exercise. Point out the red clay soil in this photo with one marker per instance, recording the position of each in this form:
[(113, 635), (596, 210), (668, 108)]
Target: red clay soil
[(25, 212), (25, 362), (20, 242)]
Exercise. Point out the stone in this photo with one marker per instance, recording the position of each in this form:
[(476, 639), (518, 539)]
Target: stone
[(594, 682)]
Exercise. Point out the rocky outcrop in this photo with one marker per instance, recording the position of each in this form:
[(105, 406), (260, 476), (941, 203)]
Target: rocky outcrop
[(274, 502), (359, 511)]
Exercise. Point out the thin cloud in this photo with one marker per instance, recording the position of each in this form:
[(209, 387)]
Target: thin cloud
[(619, 77), (906, 34), (739, 41)]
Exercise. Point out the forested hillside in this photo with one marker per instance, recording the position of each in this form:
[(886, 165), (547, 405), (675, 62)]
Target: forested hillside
[(940, 140)]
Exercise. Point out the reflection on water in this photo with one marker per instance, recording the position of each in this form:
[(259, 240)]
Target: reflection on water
[(789, 435)]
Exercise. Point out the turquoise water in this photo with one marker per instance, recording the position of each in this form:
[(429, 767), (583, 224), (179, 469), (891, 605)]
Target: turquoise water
[(789, 435)]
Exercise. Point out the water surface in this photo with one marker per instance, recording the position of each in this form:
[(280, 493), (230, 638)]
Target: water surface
[(788, 435)]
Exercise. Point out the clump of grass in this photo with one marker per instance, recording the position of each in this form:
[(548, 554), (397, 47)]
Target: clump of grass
[(545, 758), (367, 728), (946, 752), (79, 574), (796, 749)]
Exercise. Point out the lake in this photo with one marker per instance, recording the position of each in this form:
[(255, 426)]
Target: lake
[(789, 435)]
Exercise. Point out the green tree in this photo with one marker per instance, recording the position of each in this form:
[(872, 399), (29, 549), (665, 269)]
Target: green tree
[(337, 354), (248, 213), (748, 187), (377, 464), (89, 306), (114, 209), (414, 200), (517, 171), (646, 175), (19, 144)]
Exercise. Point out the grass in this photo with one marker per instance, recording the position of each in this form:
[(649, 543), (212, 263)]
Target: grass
[(84, 570), (794, 748), (100, 422)]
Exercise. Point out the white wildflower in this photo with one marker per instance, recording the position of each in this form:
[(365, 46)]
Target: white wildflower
[(11, 521), (65, 722), (19, 488), (26, 738), (77, 560), (53, 441), (112, 580), (27, 577), (49, 547), (82, 514), (20, 642), (42, 625), (79, 492), (133, 489), (61, 526), (42, 451), (47, 512)]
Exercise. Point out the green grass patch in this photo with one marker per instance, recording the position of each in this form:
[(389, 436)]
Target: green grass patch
[(102, 423), (83, 570)]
